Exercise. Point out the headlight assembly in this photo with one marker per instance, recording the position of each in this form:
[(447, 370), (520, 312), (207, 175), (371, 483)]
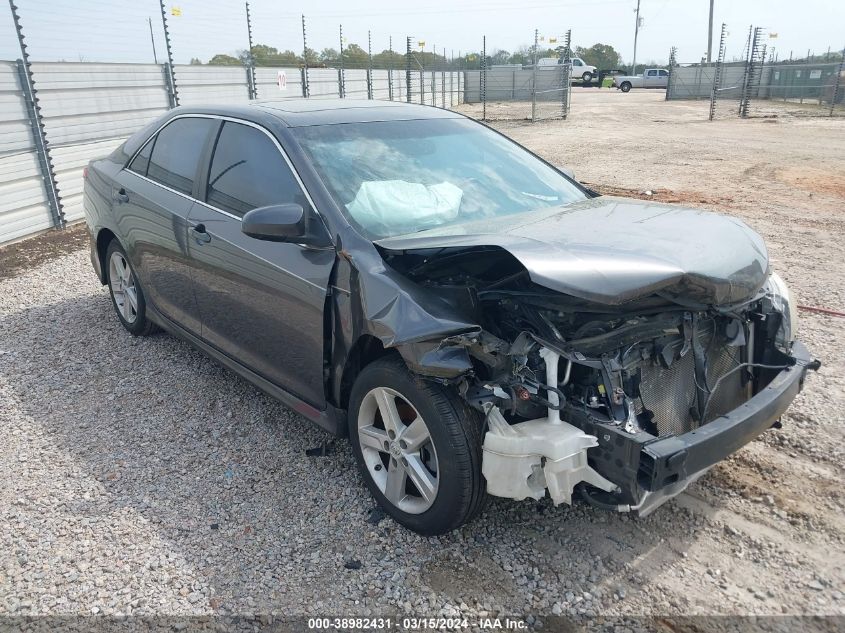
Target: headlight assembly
[(783, 301)]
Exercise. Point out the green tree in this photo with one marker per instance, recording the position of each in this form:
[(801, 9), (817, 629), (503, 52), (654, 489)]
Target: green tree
[(195, 61), (329, 56), (501, 57), (263, 55), (388, 59), (221, 59), (312, 57), (355, 57), (602, 56)]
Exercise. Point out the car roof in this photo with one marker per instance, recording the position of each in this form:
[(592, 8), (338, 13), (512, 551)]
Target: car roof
[(316, 111)]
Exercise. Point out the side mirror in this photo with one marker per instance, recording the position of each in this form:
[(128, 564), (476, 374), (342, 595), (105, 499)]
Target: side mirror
[(276, 223)]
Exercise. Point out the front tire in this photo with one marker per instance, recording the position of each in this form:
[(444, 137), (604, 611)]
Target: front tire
[(625, 87), (418, 445), (586, 78), (127, 296)]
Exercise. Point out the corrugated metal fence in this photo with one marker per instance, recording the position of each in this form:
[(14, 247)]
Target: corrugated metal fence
[(88, 109)]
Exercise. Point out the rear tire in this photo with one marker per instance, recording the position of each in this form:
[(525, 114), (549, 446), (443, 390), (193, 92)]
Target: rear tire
[(625, 87), (127, 296), (422, 459)]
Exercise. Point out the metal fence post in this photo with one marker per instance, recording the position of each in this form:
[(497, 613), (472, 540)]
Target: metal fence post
[(36, 122), (434, 88), (443, 82), (169, 85), (250, 67), (369, 65), (408, 70), (482, 78), (168, 67), (567, 73), (672, 52), (838, 84), (390, 69), (45, 163), (341, 86), (306, 90), (251, 90), (534, 80), (717, 72)]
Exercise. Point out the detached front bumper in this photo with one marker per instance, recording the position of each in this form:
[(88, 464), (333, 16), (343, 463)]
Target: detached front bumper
[(669, 461)]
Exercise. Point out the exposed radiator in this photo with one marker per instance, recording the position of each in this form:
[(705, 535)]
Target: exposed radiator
[(670, 393)]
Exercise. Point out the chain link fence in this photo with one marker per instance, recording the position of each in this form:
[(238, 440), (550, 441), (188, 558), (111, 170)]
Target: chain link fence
[(537, 91)]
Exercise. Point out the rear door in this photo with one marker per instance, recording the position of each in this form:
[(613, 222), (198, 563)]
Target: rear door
[(152, 199), (261, 302), (650, 79)]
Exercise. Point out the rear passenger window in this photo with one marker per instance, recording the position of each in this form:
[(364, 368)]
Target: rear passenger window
[(176, 153), (248, 171), (142, 160)]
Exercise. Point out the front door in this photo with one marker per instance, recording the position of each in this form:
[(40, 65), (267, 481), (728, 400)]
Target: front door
[(261, 302)]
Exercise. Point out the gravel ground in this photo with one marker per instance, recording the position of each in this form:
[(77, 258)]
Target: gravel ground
[(142, 478)]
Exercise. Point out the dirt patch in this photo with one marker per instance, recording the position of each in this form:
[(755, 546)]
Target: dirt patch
[(662, 195), (814, 179), (21, 256)]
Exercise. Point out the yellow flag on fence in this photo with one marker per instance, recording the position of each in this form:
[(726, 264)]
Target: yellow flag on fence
[(552, 40), (421, 43), (773, 36), (176, 11)]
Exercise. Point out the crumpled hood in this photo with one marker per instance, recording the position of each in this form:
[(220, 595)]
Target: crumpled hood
[(612, 250)]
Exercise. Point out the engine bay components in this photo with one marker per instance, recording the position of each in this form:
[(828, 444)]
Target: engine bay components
[(524, 459)]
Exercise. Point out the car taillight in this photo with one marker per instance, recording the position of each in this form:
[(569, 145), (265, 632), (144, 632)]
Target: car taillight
[(85, 173)]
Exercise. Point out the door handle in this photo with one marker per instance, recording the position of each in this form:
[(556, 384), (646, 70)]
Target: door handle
[(121, 196), (200, 234)]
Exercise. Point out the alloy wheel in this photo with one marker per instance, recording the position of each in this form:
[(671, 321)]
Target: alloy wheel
[(398, 450), (122, 285)]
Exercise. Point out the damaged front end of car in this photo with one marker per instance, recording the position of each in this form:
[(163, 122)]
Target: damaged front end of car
[(625, 402)]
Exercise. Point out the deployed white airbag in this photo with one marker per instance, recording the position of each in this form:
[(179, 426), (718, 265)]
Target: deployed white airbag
[(397, 203)]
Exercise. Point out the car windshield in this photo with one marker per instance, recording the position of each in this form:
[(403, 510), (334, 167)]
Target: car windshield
[(397, 177)]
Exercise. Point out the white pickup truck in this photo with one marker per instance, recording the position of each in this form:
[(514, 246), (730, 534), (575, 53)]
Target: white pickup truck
[(580, 69), (651, 78)]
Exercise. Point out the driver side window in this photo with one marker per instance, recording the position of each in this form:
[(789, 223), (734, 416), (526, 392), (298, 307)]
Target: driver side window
[(248, 171)]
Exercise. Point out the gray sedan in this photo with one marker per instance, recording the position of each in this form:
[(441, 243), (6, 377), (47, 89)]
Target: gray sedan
[(473, 319)]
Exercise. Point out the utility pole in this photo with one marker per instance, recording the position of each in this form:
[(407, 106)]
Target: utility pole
[(153, 40), (636, 33), (710, 33)]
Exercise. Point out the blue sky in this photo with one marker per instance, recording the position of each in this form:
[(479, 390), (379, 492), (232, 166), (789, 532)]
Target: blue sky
[(117, 30)]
